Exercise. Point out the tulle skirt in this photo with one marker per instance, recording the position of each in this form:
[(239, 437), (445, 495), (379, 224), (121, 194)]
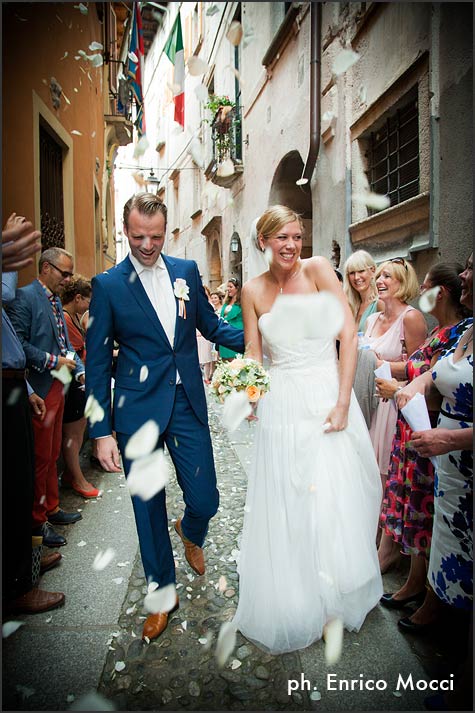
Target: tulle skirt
[(308, 551)]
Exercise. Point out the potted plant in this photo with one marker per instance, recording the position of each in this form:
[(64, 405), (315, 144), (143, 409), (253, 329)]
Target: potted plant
[(222, 111)]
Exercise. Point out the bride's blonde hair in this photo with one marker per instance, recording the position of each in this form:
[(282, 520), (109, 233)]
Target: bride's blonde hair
[(274, 218)]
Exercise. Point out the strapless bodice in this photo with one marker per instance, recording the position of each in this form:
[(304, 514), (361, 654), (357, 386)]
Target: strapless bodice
[(304, 355)]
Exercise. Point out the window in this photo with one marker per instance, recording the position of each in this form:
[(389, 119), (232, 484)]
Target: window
[(393, 154)]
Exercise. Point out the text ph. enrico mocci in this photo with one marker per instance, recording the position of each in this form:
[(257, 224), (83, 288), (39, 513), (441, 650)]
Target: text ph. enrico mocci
[(404, 682)]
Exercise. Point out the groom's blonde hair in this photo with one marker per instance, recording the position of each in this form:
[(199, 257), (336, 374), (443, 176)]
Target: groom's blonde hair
[(145, 203), (275, 217)]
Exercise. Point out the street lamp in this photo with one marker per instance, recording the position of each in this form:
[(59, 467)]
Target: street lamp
[(152, 180), (235, 243)]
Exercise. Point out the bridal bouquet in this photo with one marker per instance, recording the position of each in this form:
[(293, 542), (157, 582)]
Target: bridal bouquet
[(240, 374)]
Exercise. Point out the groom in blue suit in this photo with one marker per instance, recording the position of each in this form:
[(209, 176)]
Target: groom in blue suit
[(152, 306)]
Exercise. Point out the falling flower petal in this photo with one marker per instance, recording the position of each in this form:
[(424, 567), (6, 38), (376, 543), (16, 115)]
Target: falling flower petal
[(212, 10), (162, 599), (70, 698), (196, 151), (82, 8), (139, 178), (226, 643), (63, 374), (131, 610), (376, 201), (428, 299), (236, 409), (249, 37), (10, 627), (315, 696), (102, 559), (234, 34), (344, 60), (296, 317), (65, 98), (301, 182), (121, 401), (133, 57), (148, 475), (141, 146), (143, 441), (268, 254), (82, 543), (362, 93), (96, 60), (203, 641), (96, 46), (333, 641), (64, 56), (397, 694), (83, 54), (93, 134), (196, 66), (76, 132), (201, 92), (226, 168), (237, 75), (235, 664), (328, 116), (119, 666), (143, 373), (93, 410), (118, 580)]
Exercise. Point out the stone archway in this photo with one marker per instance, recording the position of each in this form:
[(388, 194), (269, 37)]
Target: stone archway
[(285, 192)]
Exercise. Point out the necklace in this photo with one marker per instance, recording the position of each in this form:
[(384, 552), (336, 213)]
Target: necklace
[(296, 272)]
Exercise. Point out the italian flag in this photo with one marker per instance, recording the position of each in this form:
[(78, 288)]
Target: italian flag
[(174, 51)]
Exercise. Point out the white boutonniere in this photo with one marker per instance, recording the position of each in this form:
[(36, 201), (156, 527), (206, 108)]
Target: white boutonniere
[(181, 291)]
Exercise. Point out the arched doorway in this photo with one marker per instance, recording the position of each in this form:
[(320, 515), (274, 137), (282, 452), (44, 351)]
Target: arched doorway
[(235, 257), (285, 191)]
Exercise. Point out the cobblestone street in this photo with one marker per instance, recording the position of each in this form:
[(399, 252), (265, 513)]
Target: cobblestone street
[(94, 642)]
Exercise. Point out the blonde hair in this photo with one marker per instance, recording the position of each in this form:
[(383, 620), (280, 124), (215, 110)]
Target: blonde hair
[(275, 218), (359, 260), (405, 275)]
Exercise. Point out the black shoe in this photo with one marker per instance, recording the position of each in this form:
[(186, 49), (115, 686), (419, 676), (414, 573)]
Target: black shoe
[(51, 538), (388, 602), (406, 624), (64, 518)]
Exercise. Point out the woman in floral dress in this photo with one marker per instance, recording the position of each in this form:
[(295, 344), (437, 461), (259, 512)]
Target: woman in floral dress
[(408, 504)]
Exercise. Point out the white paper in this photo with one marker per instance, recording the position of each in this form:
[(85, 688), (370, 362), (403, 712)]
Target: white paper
[(416, 414), (383, 371)]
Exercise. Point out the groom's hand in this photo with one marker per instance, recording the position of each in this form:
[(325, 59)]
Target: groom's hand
[(108, 454)]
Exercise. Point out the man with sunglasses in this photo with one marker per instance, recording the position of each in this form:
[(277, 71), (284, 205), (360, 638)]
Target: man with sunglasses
[(38, 319)]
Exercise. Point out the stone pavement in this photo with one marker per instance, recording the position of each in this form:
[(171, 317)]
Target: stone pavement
[(94, 642)]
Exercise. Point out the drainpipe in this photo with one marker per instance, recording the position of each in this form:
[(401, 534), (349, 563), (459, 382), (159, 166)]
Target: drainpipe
[(315, 87)]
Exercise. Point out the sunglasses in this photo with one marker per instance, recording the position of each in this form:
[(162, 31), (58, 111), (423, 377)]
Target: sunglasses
[(399, 261), (63, 273)]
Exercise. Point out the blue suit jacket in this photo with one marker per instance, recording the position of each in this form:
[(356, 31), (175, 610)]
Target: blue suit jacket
[(32, 317), (121, 311)]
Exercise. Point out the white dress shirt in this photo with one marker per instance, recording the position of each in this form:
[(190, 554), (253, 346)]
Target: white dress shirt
[(157, 284)]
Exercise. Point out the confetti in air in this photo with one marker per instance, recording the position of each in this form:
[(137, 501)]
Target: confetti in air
[(344, 60), (196, 66), (428, 299), (236, 409), (235, 32), (10, 627), (143, 373), (201, 92), (225, 644), (143, 441), (333, 634), (93, 411), (102, 559), (376, 201), (141, 146), (162, 599), (148, 475), (63, 374), (226, 168)]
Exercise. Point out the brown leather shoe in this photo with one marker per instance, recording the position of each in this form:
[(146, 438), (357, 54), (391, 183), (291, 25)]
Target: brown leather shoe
[(193, 553), (34, 602), (155, 624), (50, 560)]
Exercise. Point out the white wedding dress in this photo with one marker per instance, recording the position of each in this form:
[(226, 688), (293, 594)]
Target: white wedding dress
[(308, 551)]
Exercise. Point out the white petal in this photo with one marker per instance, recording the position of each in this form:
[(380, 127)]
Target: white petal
[(70, 698), (236, 409), (201, 92), (203, 641), (196, 66), (212, 10), (324, 314), (428, 299), (96, 60), (96, 46), (141, 146), (76, 132), (148, 475), (196, 151), (226, 168), (226, 643), (82, 543), (301, 181), (268, 255), (362, 94), (344, 60), (119, 666), (184, 625), (333, 641), (315, 696), (82, 8), (63, 374), (328, 116), (118, 580), (143, 441), (162, 599), (131, 610), (377, 201), (102, 559), (234, 34), (93, 410), (235, 664), (10, 627), (64, 56), (132, 56), (249, 37)]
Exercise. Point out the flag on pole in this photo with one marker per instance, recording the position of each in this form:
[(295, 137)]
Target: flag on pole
[(174, 51), (135, 66)]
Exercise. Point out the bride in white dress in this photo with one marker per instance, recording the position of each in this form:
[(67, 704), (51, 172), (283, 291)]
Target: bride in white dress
[(308, 552)]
